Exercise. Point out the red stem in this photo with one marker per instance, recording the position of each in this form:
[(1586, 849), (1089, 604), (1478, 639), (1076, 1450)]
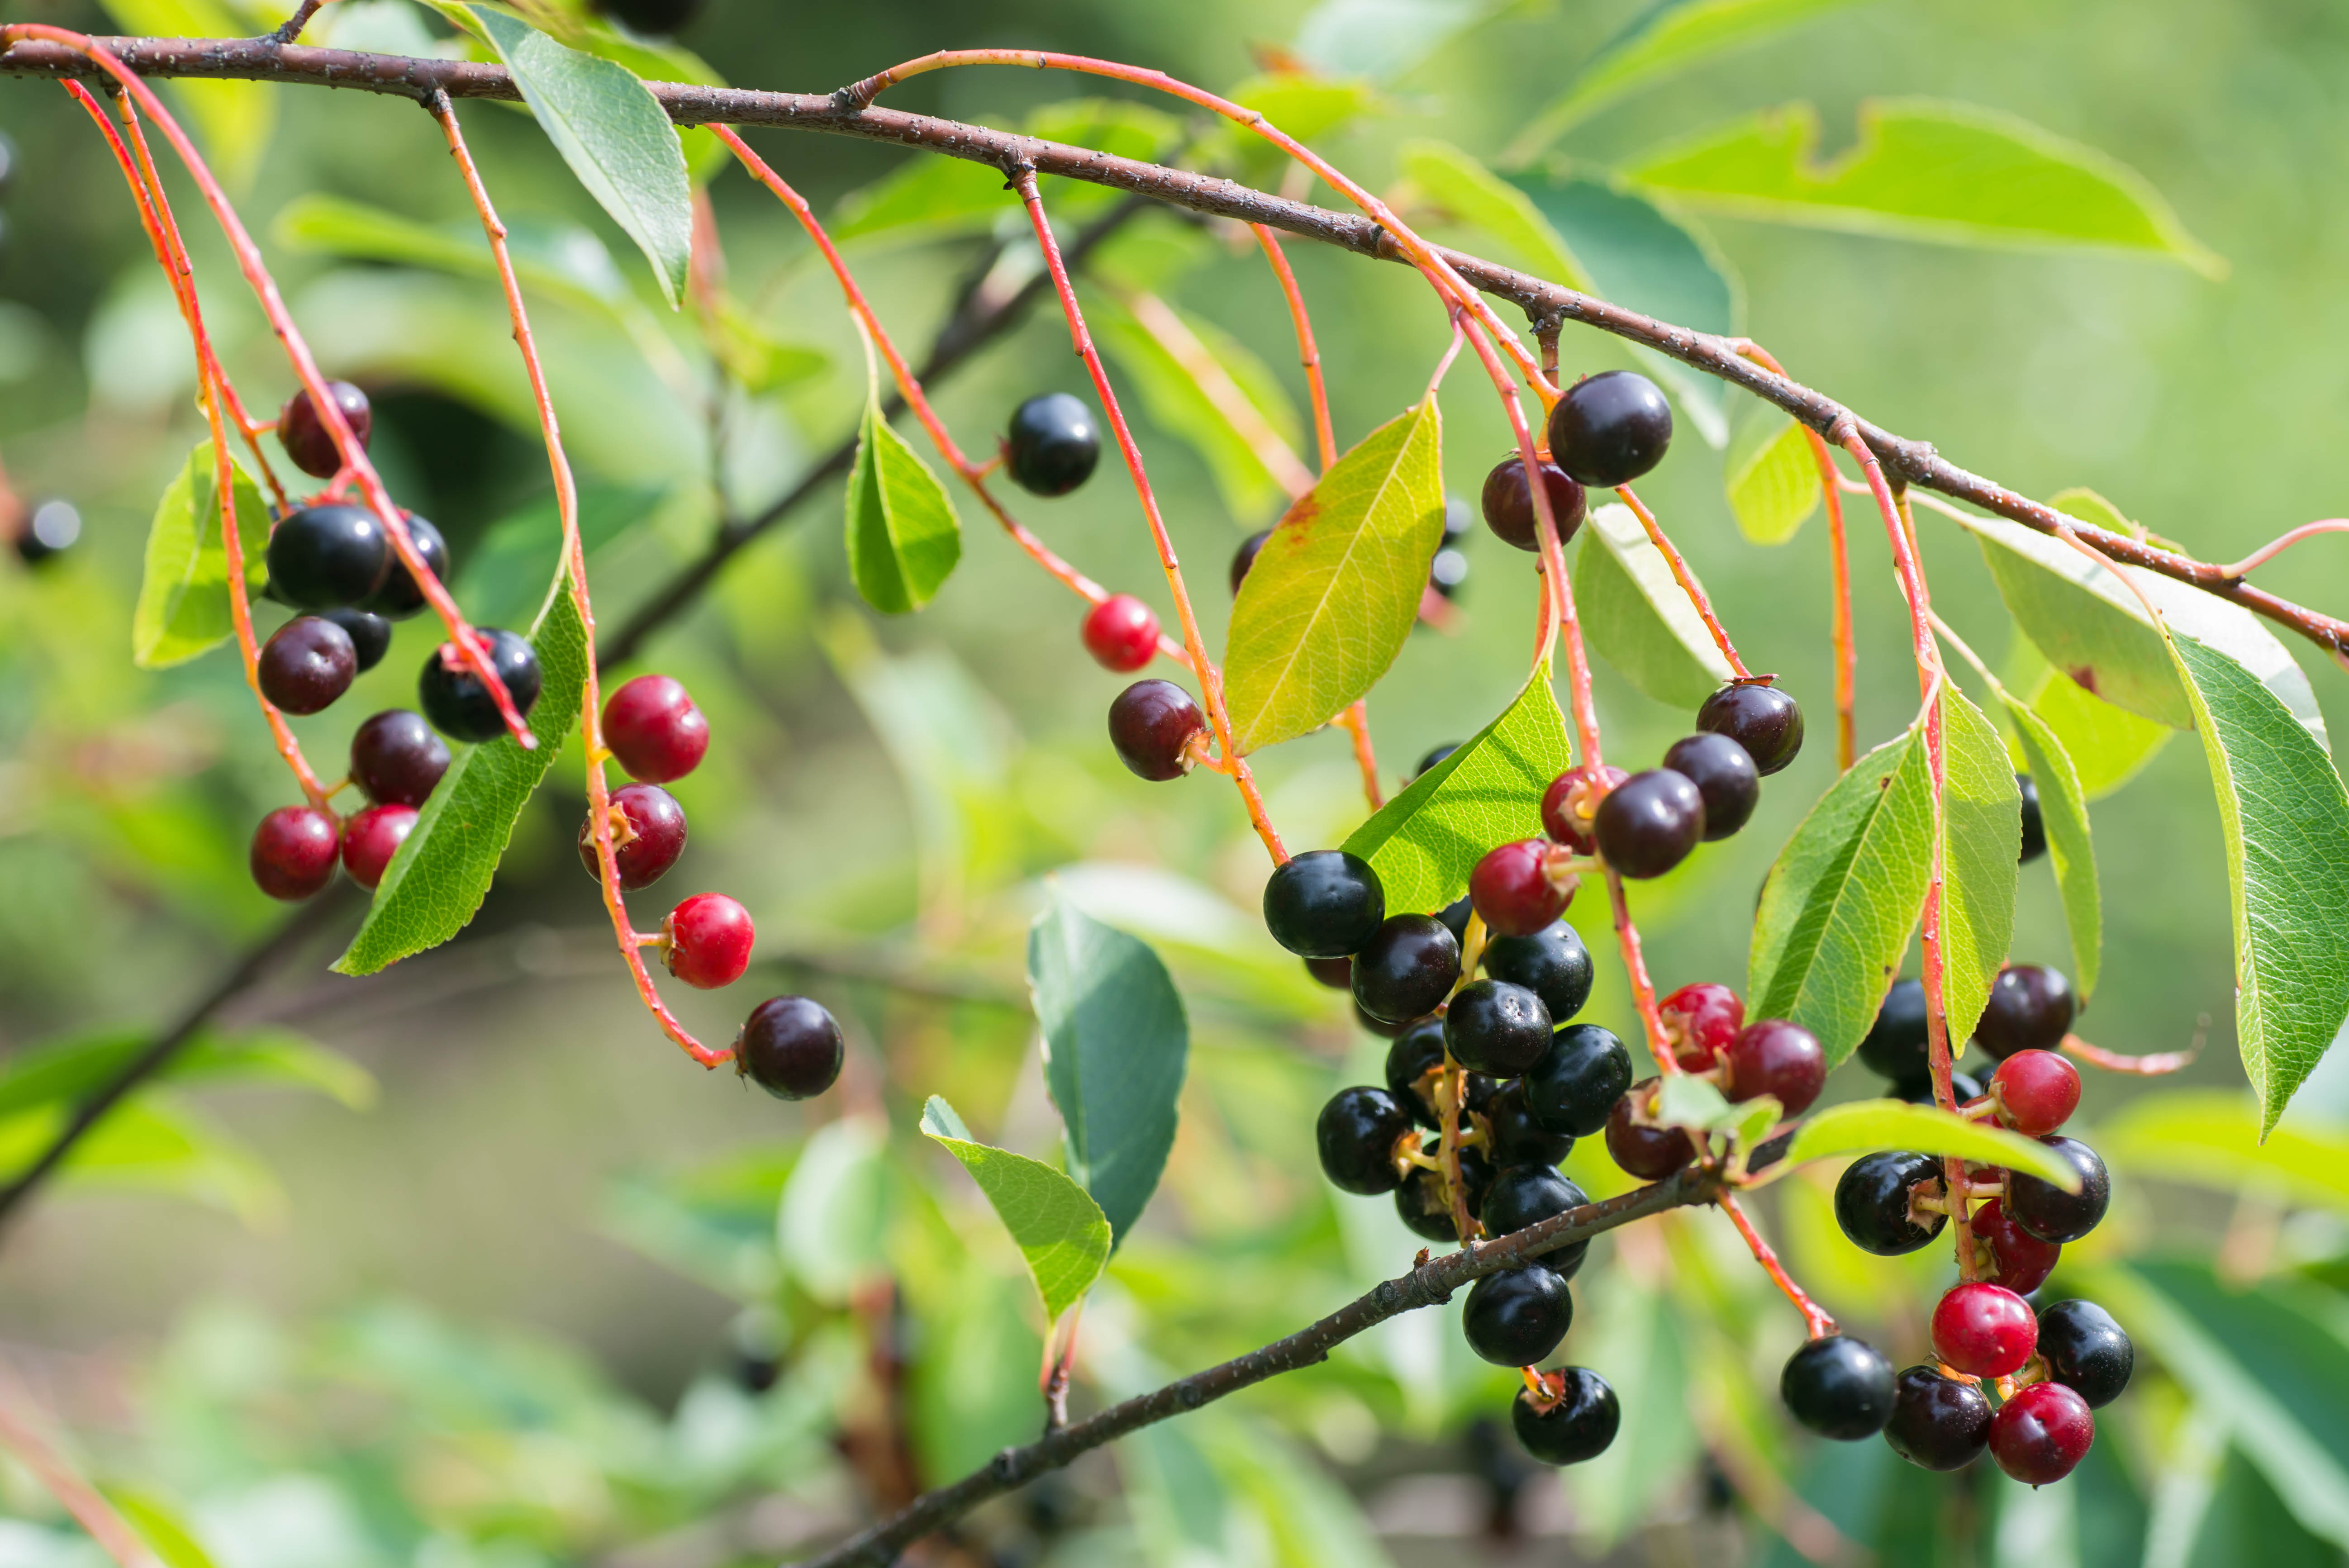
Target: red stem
[(1687, 580), (2154, 1064), (1816, 1320), (1324, 435), (2278, 545), (1356, 722), (1831, 492)]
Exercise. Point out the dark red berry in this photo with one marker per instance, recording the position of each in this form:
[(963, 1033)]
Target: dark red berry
[(1053, 444), (1873, 1203), (2036, 1091), (307, 663), (1323, 903), (2030, 1009), (1338, 974), (1151, 724), (1496, 1028), (648, 846), (1514, 888), (396, 759), (709, 938), (1122, 633), (1723, 774), (1896, 1045), (1637, 1144), (327, 557), (1838, 1386), (1409, 964), (1609, 428), (458, 705), (1570, 804), (2009, 1254), (1939, 1422), (1510, 503), (1580, 1083), (370, 635), (1701, 1022), (1423, 1205), (1579, 1425), (790, 1048), (2040, 1433), (1984, 1329), (371, 837), (2087, 1351), (401, 595), (1762, 719), (1517, 1316), (1517, 1138), (1552, 963), (1356, 1135), (1650, 822), (294, 851), (2034, 825), (2051, 1213), (1244, 557), (304, 434), (653, 730), (1775, 1058)]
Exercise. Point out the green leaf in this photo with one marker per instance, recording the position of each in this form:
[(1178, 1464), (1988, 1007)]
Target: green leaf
[(441, 873), (1839, 903), (1643, 1341), (1687, 1100), (1985, 834), (1634, 610), (69, 1071), (1380, 39), (1772, 479), (1201, 384), (183, 604), (1866, 1126), (1923, 170), (904, 536), (505, 578), (927, 198), (159, 1525), (1335, 590), (613, 134), (1425, 841), (151, 1143), (1116, 1046), (832, 1225), (233, 120), (2109, 745), (2210, 1138), (1059, 1229), (2063, 812), (564, 261), (1473, 194)]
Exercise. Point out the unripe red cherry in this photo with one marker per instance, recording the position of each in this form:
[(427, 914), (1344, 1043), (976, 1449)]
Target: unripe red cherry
[(294, 853), (1151, 724), (1571, 803), (1777, 1058), (371, 838), (1122, 633), (1513, 890), (304, 434), (1985, 1330), (654, 837), (2018, 1260), (653, 730), (2040, 1433), (2036, 1091), (1700, 1020), (709, 940)]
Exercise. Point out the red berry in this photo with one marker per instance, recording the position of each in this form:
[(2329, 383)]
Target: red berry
[(1151, 724), (2037, 1091), (1700, 1020), (371, 838), (1777, 1058), (1985, 1330), (1122, 633), (1513, 889), (1571, 803), (2016, 1259), (709, 941), (2040, 1433), (1636, 1144), (294, 853), (653, 730), (304, 436), (655, 836)]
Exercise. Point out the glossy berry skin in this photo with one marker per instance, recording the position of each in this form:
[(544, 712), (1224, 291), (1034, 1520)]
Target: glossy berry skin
[(1455, 916), (1723, 774), (2087, 1351), (1524, 1195), (1496, 1029), (1377, 1026), (1609, 428), (370, 635), (304, 434), (1052, 444), (1323, 903), (294, 851), (1552, 963), (327, 557), (307, 663), (1872, 1202), (2051, 1213), (1571, 803), (790, 1048), (1356, 1136), (1516, 1317), (1512, 889), (1919, 1090), (2037, 1091), (1151, 724), (1508, 503), (1417, 1052), (709, 938), (2038, 1436), (1407, 966), (1421, 1206), (1517, 1138), (1122, 633), (457, 702), (1650, 822), (2015, 1258), (1839, 1387), (1577, 1086), (1338, 974), (1244, 557), (656, 836), (1939, 1422), (396, 759), (1702, 1020), (371, 837), (1434, 755), (1896, 1044), (2034, 825), (1638, 1145), (400, 596), (655, 730), (1762, 719), (1984, 1329), (1579, 1427), (2030, 1009), (1779, 1058)]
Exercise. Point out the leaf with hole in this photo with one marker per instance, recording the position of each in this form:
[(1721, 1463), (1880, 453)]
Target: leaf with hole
[(1635, 612), (183, 603), (904, 535), (1059, 1229), (1772, 478), (2063, 814), (1984, 812), (1866, 1126)]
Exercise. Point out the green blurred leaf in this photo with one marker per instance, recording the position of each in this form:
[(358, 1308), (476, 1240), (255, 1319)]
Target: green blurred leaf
[(1380, 39), (2063, 813), (442, 871), (71, 1070), (1059, 1229), (756, 358), (1116, 1047), (1473, 194), (1425, 841), (2210, 1138), (2109, 745), (714, 1224), (564, 260), (1772, 478), (971, 1391), (2244, 1520), (1335, 590), (1638, 1343), (505, 576), (904, 536), (1311, 1520), (1634, 611), (1984, 810), (1866, 1126), (1923, 170), (927, 198), (233, 120), (1201, 384), (160, 1526), (151, 1142), (183, 603), (832, 1225)]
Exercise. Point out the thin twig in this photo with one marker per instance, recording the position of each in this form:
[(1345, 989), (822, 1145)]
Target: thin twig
[(1687, 580)]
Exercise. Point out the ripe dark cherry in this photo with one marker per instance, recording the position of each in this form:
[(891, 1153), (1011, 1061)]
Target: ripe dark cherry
[(1939, 1422), (1356, 1135), (1723, 774), (370, 635), (294, 851), (1577, 1087), (1779, 1058), (1896, 1044), (2035, 826), (1702, 1020), (1525, 1195), (790, 1048), (2087, 1351), (1421, 1206), (1338, 974), (1122, 633), (1919, 1090), (307, 663), (1434, 756), (1513, 890), (304, 434), (327, 557), (1516, 1317), (1496, 1029), (1377, 1026), (654, 838), (1052, 444), (1508, 503), (1610, 428), (371, 837), (2030, 1009), (1839, 1387), (1244, 557), (457, 702), (1416, 1053), (2040, 1433), (1579, 1427), (709, 938), (1984, 1329), (396, 759), (1872, 1202), (655, 730), (2009, 1254), (1637, 1144), (1552, 963), (1762, 719), (1571, 802), (2051, 1213), (2037, 1091), (1323, 903), (1151, 724), (1455, 916), (401, 595), (1517, 1138), (1409, 964), (1650, 822)]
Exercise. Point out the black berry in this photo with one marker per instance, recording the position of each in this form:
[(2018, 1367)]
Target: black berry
[(1323, 903), (2049, 1212), (1244, 557), (1338, 974), (1839, 1387), (789, 1046), (1872, 1202), (1578, 1427), (1517, 1316), (396, 759), (1416, 1053), (370, 635), (1508, 503), (1611, 428), (1724, 775), (1053, 444), (1939, 1422), (2035, 826), (1525, 1195), (1552, 963), (1420, 1202), (307, 663), (1518, 1137), (304, 435), (1409, 964), (1896, 1044), (401, 595), (1573, 1089), (2030, 1009), (1762, 719), (1497, 1028), (327, 557), (457, 702), (1919, 1090), (1650, 822), (1357, 1135), (2087, 1351), (654, 837), (1455, 916), (1151, 724), (1435, 756)]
